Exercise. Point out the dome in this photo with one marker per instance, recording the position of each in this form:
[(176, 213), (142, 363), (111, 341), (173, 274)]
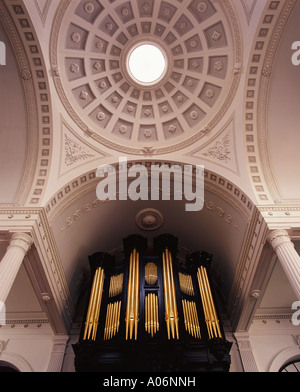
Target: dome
[(94, 49)]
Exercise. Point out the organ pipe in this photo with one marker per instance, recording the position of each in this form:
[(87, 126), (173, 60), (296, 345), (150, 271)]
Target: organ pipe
[(92, 318), (132, 308), (151, 314), (211, 319), (171, 312), (191, 320), (112, 322), (116, 285), (186, 284)]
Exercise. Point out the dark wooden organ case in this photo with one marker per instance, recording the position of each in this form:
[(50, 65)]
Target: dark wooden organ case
[(151, 312)]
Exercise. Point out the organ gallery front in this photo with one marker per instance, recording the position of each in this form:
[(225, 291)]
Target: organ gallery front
[(151, 312)]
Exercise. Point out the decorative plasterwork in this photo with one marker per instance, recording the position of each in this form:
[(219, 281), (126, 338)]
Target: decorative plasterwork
[(75, 150), (88, 56), (87, 182), (221, 150), (282, 217), (43, 8), (17, 22), (256, 96), (149, 219), (249, 6)]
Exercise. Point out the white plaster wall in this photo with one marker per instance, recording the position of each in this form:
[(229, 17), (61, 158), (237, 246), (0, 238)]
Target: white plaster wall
[(274, 343), (29, 349)]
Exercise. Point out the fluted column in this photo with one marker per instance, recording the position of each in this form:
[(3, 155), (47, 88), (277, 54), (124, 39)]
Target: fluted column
[(288, 257), (58, 353), (246, 354), (19, 245)]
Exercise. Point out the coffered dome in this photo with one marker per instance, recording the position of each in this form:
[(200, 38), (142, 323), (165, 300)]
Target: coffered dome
[(91, 51)]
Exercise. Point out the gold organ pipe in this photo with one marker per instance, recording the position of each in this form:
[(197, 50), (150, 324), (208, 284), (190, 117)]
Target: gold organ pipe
[(116, 285), (92, 295), (112, 322), (156, 306), (186, 284), (191, 320), (170, 296), (166, 290), (184, 314), (136, 295), (198, 333), (151, 314), (211, 318), (92, 318), (128, 295), (98, 304), (205, 305), (146, 314), (132, 308), (215, 320), (107, 321)]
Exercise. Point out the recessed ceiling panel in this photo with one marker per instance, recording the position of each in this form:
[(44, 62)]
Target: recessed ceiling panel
[(93, 48)]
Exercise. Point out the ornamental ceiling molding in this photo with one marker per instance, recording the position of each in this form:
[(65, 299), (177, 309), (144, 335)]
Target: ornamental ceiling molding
[(75, 152), (153, 218), (107, 109), (20, 29), (82, 185), (221, 149), (249, 7), (43, 9), (258, 75)]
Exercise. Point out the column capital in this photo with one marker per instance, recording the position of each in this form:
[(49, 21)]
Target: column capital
[(21, 240), (279, 237)]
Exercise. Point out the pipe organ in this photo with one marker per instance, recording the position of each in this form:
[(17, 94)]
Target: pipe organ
[(151, 312)]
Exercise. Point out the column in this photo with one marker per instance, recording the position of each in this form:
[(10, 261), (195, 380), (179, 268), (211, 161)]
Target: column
[(246, 353), (287, 255), (58, 353), (19, 245)]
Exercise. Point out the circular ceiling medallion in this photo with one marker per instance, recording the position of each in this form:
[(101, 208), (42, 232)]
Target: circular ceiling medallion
[(100, 76), (146, 64), (149, 219)]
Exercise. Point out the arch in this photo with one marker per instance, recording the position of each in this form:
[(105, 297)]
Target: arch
[(16, 362), (88, 181), (76, 215), (284, 357)]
